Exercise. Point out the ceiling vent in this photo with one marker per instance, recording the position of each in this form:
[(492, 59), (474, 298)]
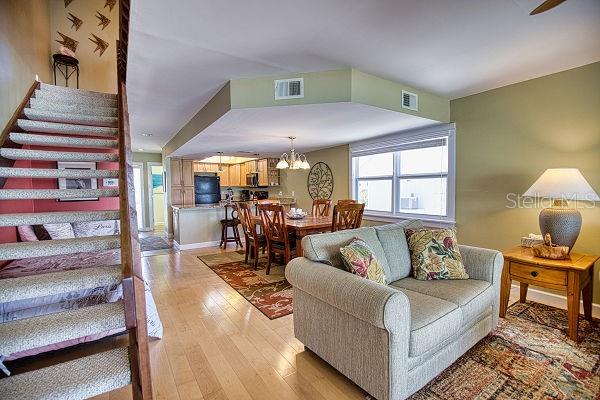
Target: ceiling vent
[(410, 101), (289, 88)]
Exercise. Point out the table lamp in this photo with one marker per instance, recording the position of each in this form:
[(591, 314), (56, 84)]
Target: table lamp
[(561, 184)]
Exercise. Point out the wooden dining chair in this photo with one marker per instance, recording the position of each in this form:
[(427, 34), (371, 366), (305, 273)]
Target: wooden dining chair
[(254, 240), (279, 241), (265, 201), (347, 216), (346, 201), (321, 207)]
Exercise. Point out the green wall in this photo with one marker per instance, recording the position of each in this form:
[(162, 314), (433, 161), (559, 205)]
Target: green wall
[(507, 137), (144, 159)]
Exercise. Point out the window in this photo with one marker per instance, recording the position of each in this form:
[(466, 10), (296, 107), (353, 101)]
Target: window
[(406, 175)]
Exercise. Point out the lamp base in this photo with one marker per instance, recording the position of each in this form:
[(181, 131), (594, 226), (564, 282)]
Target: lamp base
[(562, 223)]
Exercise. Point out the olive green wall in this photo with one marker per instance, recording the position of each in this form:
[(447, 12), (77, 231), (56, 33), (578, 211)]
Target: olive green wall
[(336, 158), (508, 136), (24, 50), (144, 159)]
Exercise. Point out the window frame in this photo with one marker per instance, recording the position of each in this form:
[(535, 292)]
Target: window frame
[(386, 144)]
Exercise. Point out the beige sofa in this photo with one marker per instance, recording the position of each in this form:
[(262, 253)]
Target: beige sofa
[(390, 340)]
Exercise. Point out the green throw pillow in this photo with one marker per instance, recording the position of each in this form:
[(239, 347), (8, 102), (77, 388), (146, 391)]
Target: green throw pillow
[(434, 254), (360, 260)]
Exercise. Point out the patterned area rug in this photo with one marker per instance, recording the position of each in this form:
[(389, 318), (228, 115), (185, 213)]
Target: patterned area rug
[(150, 243), (271, 294), (527, 357)]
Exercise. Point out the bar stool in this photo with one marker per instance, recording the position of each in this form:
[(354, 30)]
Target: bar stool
[(232, 221)]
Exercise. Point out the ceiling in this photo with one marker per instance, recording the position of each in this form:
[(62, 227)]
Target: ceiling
[(181, 53), (247, 131)]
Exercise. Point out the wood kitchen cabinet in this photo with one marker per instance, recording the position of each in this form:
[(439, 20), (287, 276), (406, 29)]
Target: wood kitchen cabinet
[(224, 176), (234, 175), (182, 182), (263, 172)]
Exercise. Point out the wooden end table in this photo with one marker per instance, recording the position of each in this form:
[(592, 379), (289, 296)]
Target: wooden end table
[(573, 275)]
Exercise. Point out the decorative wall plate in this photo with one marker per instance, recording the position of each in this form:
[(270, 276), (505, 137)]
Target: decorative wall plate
[(320, 181)]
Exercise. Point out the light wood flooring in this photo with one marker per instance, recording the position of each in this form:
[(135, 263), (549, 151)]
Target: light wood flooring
[(217, 346)]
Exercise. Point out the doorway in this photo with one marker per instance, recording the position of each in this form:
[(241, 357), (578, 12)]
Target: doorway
[(138, 173), (156, 188)]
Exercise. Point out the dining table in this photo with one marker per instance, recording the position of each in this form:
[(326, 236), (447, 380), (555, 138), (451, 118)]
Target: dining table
[(303, 227)]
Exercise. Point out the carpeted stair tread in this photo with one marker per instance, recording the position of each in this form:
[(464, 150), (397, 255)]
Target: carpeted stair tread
[(72, 380), (45, 155), (66, 129), (67, 91), (75, 99), (39, 194), (61, 117), (61, 141), (6, 172), (31, 333), (20, 250), (57, 217), (67, 108), (49, 284)]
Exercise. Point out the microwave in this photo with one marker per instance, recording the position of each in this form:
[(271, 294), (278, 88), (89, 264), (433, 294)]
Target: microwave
[(252, 179)]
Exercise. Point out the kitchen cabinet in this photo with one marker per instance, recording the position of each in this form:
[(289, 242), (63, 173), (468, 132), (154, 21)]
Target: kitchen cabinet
[(205, 167), (182, 182), (263, 172), (273, 175), (234, 175), (224, 176)]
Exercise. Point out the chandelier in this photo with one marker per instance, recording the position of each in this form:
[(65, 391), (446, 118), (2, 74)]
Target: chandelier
[(293, 161)]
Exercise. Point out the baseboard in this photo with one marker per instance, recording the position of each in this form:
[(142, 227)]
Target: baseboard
[(200, 245), (555, 300)]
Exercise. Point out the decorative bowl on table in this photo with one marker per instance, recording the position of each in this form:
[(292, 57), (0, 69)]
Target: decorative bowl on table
[(295, 215)]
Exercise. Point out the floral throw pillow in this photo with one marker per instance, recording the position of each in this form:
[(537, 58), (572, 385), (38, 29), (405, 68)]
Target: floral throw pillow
[(360, 260), (434, 254)]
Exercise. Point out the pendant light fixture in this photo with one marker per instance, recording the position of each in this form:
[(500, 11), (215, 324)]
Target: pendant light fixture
[(220, 168), (293, 161)]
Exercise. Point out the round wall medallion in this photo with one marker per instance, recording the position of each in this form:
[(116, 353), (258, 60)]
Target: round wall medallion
[(320, 181)]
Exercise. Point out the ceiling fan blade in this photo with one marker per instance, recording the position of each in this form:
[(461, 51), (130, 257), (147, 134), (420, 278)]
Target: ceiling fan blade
[(545, 6)]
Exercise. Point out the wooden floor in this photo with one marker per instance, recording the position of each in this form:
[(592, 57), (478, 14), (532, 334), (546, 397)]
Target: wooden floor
[(217, 346)]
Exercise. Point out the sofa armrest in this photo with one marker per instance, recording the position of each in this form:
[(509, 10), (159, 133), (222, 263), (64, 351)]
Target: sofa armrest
[(371, 302), (482, 264)]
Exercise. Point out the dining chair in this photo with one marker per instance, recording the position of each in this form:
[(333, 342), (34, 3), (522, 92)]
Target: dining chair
[(279, 241), (346, 201), (266, 201), (321, 207), (254, 240), (347, 216)]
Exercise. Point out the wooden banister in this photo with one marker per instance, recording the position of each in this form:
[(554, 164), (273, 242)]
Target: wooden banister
[(131, 263), (11, 126)]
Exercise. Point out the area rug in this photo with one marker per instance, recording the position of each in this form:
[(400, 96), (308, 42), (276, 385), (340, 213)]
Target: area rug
[(271, 294), (149, 243), (528, 356)]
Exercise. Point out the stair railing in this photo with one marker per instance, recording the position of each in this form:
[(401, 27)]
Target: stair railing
[(11, 126), (131, 264)]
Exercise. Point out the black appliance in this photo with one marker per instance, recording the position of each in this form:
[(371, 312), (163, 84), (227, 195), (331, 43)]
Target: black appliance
[(261, 194), (244, 195), (207, 189), (252, 179)]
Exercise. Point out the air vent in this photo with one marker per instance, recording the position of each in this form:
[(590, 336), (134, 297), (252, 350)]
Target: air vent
[(289, 88), (410, 101)]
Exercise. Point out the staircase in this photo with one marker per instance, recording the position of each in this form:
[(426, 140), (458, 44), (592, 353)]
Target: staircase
[(74, 125)]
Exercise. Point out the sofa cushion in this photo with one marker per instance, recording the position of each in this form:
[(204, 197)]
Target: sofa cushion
[(432, 321), (434, 254), (360, 260), (325, 247), (471, 295), (393, 241)]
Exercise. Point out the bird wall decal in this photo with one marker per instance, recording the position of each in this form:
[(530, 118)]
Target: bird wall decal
[(67, 2), (103, 21), (75, 21), (101, 45), (68, 42), (110, 4)]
